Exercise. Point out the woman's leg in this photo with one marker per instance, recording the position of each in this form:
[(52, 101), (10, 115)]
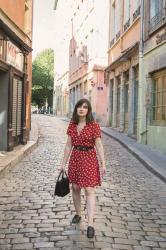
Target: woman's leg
[(90, 203), (76, 193)]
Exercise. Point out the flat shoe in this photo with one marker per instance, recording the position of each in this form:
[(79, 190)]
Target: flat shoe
[(90, 232), (76, 219)]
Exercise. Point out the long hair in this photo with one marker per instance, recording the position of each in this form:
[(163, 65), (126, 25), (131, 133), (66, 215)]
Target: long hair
[(89, 116)]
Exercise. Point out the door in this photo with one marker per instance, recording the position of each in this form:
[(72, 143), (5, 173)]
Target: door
[(118, 104), (17, 110)]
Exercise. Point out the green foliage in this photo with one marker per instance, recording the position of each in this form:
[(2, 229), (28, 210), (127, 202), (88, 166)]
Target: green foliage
[(43, 78)]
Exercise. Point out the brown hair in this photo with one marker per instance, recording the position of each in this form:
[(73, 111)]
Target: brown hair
[(89, 116)]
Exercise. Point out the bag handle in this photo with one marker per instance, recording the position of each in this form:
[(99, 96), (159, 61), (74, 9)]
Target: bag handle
[(62, 173)]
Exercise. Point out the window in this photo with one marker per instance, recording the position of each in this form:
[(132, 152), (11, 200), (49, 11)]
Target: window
[(136, 9), (126, 10), (136, 4), (159, 98), (157, 14), (112, 21), (117, 20)]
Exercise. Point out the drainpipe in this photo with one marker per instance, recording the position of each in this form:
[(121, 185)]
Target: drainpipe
[(141, 47)]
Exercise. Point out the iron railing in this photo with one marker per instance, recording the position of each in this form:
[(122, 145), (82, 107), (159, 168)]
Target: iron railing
[(136, 13), (117, 35), (112, 42), (127, 24)]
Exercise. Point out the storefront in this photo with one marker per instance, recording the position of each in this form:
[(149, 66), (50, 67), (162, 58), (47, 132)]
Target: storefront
[(13, 83)]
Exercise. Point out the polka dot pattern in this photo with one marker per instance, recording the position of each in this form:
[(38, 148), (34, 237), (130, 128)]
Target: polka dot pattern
[(83, 167)]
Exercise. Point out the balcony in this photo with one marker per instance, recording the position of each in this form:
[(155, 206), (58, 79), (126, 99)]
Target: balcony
[(117, 35), (136, 13), (112, 42), (126, 25), (157, 21)]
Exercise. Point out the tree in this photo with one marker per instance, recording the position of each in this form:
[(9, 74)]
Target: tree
[(43, 78)]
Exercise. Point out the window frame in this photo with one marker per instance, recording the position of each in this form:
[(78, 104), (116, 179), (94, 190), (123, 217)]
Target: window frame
[(155, 78)]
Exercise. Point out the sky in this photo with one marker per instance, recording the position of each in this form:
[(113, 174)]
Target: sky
[(44, 18)]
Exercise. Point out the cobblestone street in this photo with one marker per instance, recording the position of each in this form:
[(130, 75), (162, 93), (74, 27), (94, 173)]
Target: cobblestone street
[(130, 208)]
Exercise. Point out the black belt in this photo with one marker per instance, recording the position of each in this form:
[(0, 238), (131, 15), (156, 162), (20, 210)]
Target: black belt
[(83, 148)]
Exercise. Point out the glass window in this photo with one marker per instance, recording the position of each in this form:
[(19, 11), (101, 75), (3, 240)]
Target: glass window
[(155, 7), (159, 98), (126, 10), (112, 22), (136, 4)]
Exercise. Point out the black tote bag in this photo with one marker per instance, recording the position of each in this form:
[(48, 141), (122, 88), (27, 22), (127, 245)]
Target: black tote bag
[(62, 185)]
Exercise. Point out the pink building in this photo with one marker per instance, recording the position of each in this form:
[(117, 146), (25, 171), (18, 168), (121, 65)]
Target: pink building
[(88, 55)]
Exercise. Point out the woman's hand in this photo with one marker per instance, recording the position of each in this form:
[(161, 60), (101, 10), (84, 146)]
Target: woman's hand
[(63, 167)]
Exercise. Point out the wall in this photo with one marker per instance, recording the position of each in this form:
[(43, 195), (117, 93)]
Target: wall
[(11, 8), (152, 61)]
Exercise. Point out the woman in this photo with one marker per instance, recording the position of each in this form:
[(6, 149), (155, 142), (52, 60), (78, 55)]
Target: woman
[(83, 137)]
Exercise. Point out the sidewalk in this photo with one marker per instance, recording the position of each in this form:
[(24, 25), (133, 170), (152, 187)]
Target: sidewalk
[(151, 158), (9, 159)]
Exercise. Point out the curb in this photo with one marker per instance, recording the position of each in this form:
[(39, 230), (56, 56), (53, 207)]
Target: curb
[(143, 159), (14, 157)]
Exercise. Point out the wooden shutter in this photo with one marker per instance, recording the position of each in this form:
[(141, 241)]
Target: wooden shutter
[(14, 111), (17, 107)]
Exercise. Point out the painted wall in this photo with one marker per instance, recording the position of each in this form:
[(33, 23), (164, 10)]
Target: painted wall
[(14, 9), (152, 61), (129, 38), (156, 135)]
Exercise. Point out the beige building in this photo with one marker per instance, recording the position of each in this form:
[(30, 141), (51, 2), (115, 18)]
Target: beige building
[(62, 95), (122, 74)]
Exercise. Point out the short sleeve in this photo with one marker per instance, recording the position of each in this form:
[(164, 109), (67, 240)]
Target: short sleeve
[(69, 129), (96, 131)]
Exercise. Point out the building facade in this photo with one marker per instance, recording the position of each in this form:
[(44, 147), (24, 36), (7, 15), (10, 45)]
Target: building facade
[(62, 95), (122, 73), (152, 102), (61, 62), (88, 55), (15, 72)]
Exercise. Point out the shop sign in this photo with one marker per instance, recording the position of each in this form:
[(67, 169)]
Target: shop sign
[(161, 37), (14, 56)]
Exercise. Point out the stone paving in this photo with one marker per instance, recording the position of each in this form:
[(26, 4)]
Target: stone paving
[(130, 208)]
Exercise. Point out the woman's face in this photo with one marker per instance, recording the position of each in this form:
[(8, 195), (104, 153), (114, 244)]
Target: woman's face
[(82, 110)]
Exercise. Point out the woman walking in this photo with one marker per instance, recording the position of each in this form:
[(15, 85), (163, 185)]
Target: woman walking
[(83, 170)]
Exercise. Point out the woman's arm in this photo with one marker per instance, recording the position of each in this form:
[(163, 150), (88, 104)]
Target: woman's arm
[(100, 151), (67, 151)]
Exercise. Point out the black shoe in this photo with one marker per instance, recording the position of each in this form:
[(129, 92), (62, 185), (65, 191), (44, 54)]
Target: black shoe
[(90, 232), (76, 219)]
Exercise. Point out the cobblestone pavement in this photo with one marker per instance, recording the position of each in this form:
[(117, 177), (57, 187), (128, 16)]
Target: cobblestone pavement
[(131, 206)]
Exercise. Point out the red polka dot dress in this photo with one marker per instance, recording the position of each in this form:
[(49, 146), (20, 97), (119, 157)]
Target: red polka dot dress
[(83, 167)]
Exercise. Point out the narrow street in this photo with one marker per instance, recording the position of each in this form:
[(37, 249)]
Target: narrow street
[(130, 211)]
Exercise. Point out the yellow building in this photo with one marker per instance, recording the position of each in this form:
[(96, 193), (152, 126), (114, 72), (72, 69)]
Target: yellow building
[(15, 72)]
